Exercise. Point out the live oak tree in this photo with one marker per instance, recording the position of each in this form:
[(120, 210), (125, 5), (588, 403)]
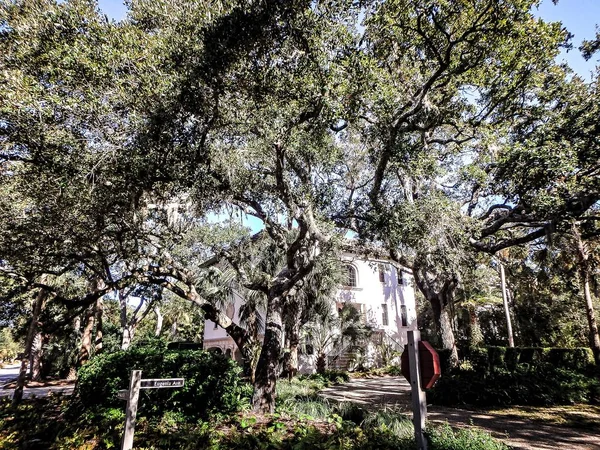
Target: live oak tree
[(436, 79), (254, 125), (399, 120), (76, 196)]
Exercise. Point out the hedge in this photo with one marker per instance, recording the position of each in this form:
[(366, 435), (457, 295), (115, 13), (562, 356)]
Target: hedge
[(490, 358), (212, 382), (500, 376)]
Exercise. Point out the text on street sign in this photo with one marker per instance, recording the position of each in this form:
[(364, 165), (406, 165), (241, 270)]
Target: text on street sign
[(162, 383)]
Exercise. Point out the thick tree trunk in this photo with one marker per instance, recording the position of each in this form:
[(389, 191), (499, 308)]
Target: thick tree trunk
[(85, 350), (35, 359), (263, 399), (444, 319), (511, 339), (31, 333), (99, 326), (292, 337), (440, 301)]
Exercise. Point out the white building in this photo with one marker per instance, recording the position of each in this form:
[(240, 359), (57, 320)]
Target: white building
[(383, 294)]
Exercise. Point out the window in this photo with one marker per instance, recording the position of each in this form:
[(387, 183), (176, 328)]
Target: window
[(381, 273), (230, 311), (404, 316), (350, 276), (384, 315)]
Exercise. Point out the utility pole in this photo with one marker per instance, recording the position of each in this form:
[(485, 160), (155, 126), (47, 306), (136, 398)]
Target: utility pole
[(511, 340)]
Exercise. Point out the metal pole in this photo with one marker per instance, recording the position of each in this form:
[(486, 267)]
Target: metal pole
[(419, 403), (131, 411)]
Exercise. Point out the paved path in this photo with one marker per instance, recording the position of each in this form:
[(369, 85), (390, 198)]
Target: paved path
[(516, 430), (9, 373)]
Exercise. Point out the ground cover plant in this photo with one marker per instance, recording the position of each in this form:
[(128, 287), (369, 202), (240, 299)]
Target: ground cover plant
[(48, 424)]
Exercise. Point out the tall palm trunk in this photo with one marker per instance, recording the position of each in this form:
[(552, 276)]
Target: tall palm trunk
[(511, 339), (38, 305), (591, 316), (294, 342), (72, 375), (35, 358), (127, 327), (584, 272), (99, 326), (292, 338), (159, 321)]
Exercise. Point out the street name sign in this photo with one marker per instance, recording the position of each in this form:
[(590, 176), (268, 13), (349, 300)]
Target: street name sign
[(157, 383)]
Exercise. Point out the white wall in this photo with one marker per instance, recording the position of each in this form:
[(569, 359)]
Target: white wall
[(396, 291), (370, 294), (210, 333)]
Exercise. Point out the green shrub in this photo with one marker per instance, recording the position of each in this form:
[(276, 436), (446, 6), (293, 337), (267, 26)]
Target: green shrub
[(492, 358), (445, 438), (329, 376), (212, 382), (528, 384), (393, 370)]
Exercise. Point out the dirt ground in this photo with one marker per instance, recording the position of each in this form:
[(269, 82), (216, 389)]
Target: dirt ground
[(572, 427)]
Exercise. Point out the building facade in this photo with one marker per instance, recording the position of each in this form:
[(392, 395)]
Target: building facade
[(383, 295)]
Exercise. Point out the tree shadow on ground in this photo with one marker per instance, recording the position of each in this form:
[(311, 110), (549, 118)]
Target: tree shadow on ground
[(573, 427)]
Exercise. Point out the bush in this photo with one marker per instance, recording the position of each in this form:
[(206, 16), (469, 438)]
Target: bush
[(212, 382), (492, 358), (329, 376), (539, 384), (501, 376), (394, 370)]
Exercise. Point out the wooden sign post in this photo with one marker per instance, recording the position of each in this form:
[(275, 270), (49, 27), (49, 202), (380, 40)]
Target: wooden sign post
[(131, 409), (132, 396), (420, 365), (419, 402)]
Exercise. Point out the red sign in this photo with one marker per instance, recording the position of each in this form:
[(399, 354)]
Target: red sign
[(430, 364)]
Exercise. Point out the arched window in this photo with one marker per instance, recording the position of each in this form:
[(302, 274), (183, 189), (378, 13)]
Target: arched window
[(350, 276)]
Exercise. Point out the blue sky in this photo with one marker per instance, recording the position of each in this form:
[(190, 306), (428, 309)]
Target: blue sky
[(580, 18)]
